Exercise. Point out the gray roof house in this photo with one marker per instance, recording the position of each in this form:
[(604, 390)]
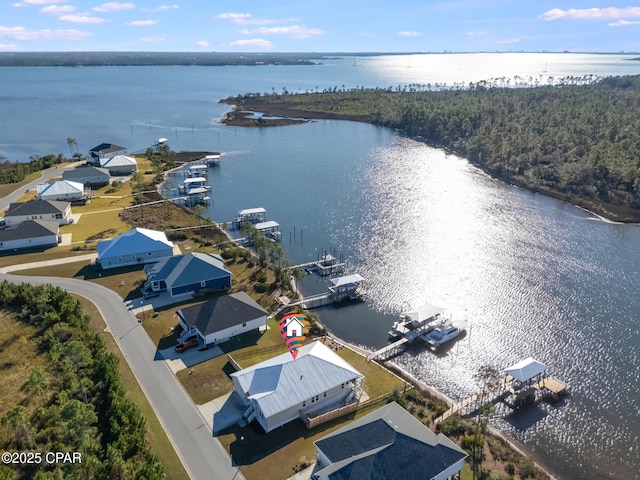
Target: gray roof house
[(48, 210), (190, 273), (89, 176), (387, 443), (29, 234), (106, 150), (281, 389), (222, 318)]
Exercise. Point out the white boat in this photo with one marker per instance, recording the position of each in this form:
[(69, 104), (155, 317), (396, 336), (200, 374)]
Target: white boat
[(415, 322), (442, 333)]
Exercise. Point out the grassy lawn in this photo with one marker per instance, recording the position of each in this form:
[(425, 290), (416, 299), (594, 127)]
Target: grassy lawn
[(158, 439), (123, 280), (39, 255), (96, 226), (7, 188), (378, 381)]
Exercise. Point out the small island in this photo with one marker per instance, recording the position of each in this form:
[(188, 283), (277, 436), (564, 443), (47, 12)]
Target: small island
[(577, 140)]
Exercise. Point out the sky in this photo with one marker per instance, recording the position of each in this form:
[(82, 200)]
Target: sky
[(320, 26)]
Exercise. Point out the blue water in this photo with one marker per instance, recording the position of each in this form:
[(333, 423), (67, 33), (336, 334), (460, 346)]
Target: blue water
[(533, 276)]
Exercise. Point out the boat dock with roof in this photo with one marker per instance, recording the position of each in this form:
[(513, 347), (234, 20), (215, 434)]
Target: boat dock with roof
[(253, 215), (347, 288), (524, 382), (324, 266)]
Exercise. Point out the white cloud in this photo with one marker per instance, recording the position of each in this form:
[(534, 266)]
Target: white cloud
[(113, 7), (409, 34), (9, 47), (142, 23), (202, 43), (253, 43), (153, 39), (233, 16), (57, 10), (610, 13), (623, 23), (295, 31), (161, 8), (21, 33), (81, 18), (508, 41), (477, 34)]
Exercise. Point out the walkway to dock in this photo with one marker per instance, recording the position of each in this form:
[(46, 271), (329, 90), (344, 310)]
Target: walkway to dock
[(491, 393), (390, 350)]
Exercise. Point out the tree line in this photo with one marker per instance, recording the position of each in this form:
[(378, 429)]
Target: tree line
[(82, 402), (573, 138), (15, 172)]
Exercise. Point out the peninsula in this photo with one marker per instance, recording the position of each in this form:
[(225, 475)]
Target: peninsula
[(577, 140)]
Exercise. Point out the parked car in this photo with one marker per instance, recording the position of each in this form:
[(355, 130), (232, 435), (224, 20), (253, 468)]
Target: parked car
[(187, 344)]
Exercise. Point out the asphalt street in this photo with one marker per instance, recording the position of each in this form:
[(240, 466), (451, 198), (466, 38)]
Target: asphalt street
[(201, 453)]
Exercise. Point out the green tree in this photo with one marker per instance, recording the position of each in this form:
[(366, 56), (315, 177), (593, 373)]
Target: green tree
[(37, 383)]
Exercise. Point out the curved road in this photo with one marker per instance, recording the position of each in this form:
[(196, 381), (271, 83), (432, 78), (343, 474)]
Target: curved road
[(201, 454)]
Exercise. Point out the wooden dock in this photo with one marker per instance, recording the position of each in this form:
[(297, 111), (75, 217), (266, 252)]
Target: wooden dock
[(491, 393), (390, 350)]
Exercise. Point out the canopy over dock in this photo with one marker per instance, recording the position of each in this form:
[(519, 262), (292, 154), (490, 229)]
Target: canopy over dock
[(526, 369)]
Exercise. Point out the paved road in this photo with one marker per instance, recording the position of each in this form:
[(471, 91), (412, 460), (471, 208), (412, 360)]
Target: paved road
[(46, 176), (201, 453)]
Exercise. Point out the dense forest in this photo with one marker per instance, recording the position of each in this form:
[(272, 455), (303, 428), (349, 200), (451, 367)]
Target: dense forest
[(101, 59), (577, 139), (74, 401)]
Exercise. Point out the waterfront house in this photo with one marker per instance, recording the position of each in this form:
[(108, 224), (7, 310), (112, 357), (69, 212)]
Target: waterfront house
[(59, 212), (63, 190), (119, 165), (281, 389), (190, 273), (29, 234), (134, 247), (93, 177), (387, 443), (105, 150), (222, 318)]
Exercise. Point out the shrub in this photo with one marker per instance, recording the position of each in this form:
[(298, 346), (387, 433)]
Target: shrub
[(261, 287)]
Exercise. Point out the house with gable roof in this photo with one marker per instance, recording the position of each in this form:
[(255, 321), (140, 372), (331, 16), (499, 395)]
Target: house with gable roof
[(190, 273), (62, 190), (222, 318), (28, 234), (387, 443), (93, 177), (105, 150), (137, 246), (46, 210), (281, 389), (119, 164)]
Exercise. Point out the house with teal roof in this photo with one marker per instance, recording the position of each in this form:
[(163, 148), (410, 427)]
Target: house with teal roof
[(135, 247)]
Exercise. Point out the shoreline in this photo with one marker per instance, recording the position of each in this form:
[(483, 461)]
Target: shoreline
[(610, 213), (398, 371)]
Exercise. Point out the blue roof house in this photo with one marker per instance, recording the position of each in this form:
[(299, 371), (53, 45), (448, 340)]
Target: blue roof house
[(190, 273), (134, 247)]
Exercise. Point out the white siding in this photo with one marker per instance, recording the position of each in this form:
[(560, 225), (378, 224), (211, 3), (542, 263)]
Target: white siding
[(227, 333), (29, 242)]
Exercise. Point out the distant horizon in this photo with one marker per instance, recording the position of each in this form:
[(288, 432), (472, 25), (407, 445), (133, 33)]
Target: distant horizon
[(324, 53), (353, 26)]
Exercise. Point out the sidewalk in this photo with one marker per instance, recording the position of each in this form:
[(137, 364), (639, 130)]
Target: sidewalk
[(47, 263)]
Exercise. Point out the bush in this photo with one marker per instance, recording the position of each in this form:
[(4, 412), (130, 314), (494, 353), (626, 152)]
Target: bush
[(261, 287)]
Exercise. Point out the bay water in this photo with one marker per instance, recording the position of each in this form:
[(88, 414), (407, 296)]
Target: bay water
[(533, 276)]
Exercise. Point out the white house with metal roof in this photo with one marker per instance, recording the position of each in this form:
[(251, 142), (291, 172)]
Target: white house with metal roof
[(105, 150), (281, 389), (59, 212), (190, 273), (119, 164), (62, 190), (134, 247)]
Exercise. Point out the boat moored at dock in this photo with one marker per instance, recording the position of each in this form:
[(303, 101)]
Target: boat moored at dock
[(442, 332)]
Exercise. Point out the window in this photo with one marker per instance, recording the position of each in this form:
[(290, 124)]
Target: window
[(133, 256), (203, 283), (119, 259), (325, 394), (342, 386), (58, 215), (244, 324), (149, 253), (304, 404)]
